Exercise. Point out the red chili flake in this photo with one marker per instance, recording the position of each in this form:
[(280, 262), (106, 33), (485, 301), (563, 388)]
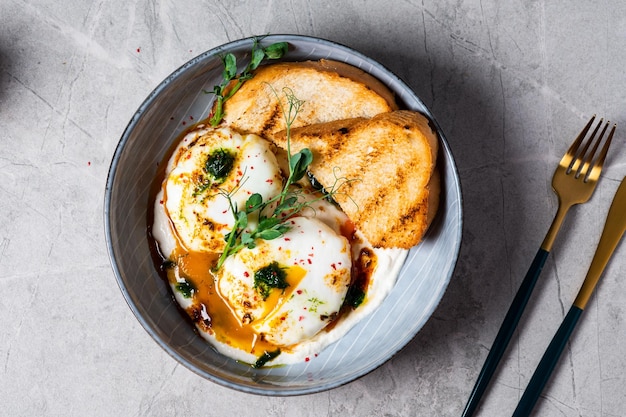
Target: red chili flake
[(300, 292), (283, 318), (184, 122), (334, 266), (309, 261), (300, 318), (88, 163), (190, 117), (161, 201), (307, 359), (138, 50), (246, 274), (287, 239), (269, 181)]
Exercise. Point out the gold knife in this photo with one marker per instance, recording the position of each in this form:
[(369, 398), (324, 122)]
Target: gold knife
[(614, 229)]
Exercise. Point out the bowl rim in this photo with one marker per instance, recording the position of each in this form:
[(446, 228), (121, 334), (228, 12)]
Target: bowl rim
[(113, 169)]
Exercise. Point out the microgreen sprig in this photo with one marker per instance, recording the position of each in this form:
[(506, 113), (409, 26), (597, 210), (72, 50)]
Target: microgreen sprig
[(300, 161), (225, 89), (273, 214)]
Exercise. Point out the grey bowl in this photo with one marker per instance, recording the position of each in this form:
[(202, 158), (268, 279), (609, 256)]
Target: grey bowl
[(179, 101)]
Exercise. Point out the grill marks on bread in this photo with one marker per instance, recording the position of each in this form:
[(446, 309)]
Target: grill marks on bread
[(389, 160), (351, 123)]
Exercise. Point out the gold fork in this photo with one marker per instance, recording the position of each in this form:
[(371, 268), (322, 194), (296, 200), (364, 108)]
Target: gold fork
[(574, 181)]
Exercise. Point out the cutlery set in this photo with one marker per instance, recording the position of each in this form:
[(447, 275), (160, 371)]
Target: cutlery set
[(574, 181)]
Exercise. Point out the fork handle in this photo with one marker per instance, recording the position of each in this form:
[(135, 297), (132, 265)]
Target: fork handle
[(549, 360), (506, 331)]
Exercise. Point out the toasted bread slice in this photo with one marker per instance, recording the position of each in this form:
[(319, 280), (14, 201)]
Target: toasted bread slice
[(330, 90), (385, 167)]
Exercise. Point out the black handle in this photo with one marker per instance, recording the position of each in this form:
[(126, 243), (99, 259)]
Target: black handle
[(548, 363), (506, 331)]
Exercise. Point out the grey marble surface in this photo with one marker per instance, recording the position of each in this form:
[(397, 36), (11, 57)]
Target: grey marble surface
[(511, 83)]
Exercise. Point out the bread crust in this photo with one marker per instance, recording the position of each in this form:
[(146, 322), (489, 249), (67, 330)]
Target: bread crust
[(386, 169), (330, 91)]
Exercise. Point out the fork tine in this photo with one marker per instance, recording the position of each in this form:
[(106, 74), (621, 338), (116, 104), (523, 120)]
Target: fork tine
[(596, 145), (580, 153), (571, 152), (594, 174)]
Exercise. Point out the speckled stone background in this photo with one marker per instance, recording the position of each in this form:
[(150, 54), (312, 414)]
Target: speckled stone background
[(511, 83)]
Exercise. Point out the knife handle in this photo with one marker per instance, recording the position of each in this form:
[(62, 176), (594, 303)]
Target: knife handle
[(548, 362)]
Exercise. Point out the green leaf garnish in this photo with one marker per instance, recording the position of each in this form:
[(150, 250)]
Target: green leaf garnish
[(254, 203), (276, 50), (231, 81), (270, 234), (299, 163)]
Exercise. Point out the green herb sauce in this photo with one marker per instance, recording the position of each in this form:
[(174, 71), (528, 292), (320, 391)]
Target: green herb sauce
[(265, 358), (270, 277), (186, 288), (354, 297), (219, 164)]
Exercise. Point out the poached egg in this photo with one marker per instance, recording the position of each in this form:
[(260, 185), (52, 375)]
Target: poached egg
[(310, 269), (212, 169)]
